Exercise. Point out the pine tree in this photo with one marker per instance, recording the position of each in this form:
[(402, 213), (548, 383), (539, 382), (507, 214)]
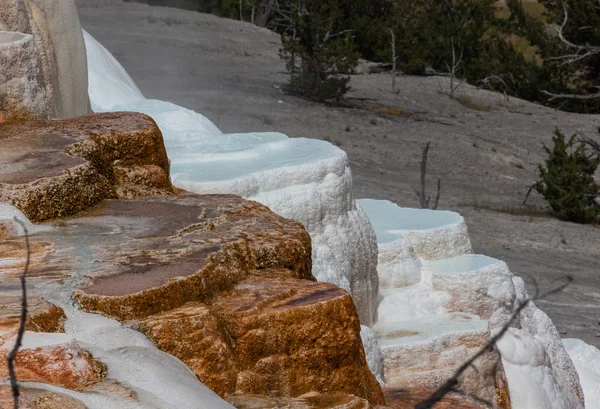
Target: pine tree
[(567, 180), (319, 56)]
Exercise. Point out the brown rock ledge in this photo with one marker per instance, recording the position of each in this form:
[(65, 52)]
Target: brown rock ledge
[(58, 168), (225, 285), (271, 336), (407, 398), (42, 316), (194, 248), (315, 401)]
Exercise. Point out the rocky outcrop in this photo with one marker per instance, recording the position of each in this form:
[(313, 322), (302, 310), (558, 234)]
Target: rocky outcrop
[(407, 398), (53, 359), (37, 399), (273, 336), (459, 302), (219, 282), (59, 66), (42, 316), (225, 285), (47, 354), (58, 168), (427, 351), (313, 401), (203, 245)]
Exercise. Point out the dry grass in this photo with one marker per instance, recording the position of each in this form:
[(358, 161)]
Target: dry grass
[(527, 211), (382, 109), (468, 102)]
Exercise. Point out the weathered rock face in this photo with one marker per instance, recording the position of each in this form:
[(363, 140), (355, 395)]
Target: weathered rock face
[(37, 399), (200, 246), (60, 66), (427, 351), (225, 285), (47, 354), (58, 168), (23, 94), (275, 336), (407, 398), (54, 359), (42, 316), (315, 401)]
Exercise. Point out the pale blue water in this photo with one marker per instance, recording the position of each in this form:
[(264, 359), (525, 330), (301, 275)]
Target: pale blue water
[(389, 219)]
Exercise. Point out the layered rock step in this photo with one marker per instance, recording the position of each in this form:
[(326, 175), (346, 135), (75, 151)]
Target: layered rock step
[(58, 168), (408, 398), (426, 351), (444, 303)]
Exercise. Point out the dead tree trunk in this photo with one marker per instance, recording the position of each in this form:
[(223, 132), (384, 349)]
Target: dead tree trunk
[(452, 70), (422, 195), (394, 58), (265, 8)]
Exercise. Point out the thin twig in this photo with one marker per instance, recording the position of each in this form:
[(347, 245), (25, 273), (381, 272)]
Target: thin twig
[(424, 200), (13, 354), (528, 193)]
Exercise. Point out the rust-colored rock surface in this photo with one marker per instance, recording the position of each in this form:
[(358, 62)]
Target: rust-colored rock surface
[(53, 359), (270, 335), (196, 248), (37, 399), (42, 316), (58, 168), (314, 401), (407, 398)]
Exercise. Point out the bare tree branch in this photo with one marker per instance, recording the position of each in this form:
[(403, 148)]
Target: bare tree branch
[(13, 354), (451, 384), (589, 49), (571, 96), (579, 52), (487, 83), (595, 145), (329, 36)]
